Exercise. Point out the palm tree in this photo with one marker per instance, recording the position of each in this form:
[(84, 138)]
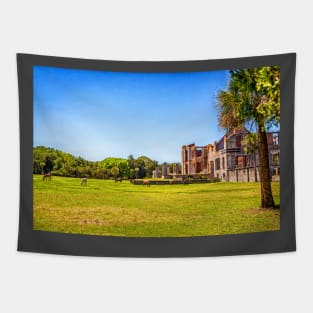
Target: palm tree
[(253, 97), (250, 146)]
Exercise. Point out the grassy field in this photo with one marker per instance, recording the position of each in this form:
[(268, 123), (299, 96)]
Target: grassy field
[(104, 207)]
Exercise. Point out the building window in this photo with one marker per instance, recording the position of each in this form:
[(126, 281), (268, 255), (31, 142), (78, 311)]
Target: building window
[(275, 159), (198, 168), (223, 163), (275, 139), (238, 141), (217, 164), (248, 161), (240, 162), (212, 167)]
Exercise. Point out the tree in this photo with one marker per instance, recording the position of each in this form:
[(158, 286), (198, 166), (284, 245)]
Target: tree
[(253, 98), (131, 162), (121, 164), (103, 172), (146, 166), (115, 171), (48, 167), (65, 164), (136, 170), (250, 146)]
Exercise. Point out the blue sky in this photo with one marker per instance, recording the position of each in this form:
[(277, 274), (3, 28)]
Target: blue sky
[(97, 114)]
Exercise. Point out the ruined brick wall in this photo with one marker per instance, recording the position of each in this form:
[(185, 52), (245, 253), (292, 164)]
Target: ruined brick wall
[(243, 175), (226, 159)]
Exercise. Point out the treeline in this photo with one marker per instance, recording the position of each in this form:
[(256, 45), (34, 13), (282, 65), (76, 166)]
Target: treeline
[(65, 164)]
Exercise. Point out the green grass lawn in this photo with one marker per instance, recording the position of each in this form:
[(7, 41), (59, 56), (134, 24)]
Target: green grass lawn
[(104, 207)]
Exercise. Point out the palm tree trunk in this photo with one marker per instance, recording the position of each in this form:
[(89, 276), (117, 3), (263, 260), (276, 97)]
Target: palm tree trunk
[(254, 161), (267, 200)]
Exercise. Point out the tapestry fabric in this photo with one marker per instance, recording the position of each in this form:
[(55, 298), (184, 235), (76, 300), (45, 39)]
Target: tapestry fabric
[(156, 159)]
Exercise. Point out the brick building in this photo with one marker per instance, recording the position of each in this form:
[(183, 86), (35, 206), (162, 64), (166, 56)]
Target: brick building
[(225, 159)]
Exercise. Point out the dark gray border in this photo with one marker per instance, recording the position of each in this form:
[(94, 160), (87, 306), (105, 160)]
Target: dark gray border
[(72, 244)]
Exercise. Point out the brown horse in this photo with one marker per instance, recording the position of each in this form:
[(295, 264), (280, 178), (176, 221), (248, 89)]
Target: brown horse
[(118, 179), (47, 176), (146, 182)]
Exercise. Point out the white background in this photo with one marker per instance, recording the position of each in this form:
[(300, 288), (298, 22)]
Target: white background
[(155, 30)]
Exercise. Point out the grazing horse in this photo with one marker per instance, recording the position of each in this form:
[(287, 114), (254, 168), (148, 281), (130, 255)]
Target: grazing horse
[(118, 179), (146, 182), (83, 181), (47, 176)]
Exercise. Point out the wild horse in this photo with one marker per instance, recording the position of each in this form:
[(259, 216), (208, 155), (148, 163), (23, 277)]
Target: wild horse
[(47, 176), (146, 182)]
